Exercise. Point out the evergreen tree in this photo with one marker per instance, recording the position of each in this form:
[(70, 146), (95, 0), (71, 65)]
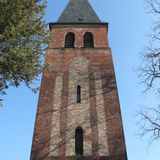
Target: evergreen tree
[(23, 39)]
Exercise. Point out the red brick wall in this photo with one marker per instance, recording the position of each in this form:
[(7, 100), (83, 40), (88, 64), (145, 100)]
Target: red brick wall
[(100, 59), (99, 33)]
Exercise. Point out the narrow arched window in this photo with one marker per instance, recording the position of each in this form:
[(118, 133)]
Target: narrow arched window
[(88, 40), (69, 40), (78, 94), (79, 141)]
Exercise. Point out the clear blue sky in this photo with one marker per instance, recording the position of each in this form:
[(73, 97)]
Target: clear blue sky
[(129, 26)]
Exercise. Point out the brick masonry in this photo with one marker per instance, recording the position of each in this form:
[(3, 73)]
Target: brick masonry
[(58, 114)]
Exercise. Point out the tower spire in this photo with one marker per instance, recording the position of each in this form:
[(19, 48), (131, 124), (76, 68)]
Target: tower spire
[(78, 11)]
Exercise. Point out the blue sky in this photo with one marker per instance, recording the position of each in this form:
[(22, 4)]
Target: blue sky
[(129, 26)]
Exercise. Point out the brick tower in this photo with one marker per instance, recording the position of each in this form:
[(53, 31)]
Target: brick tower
[(78, 114)]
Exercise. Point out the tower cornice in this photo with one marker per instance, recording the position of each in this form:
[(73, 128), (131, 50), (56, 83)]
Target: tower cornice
[(77, 24)]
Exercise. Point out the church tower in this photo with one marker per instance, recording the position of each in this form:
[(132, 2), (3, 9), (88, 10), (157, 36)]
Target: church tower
[(78, 114)]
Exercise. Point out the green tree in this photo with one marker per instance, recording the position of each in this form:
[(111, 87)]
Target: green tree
[(23, 40)]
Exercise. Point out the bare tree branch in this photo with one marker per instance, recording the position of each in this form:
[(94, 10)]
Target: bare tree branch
[(150, 123)]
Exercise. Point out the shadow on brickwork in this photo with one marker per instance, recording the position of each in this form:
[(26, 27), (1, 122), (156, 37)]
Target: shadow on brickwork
[(41, 148)]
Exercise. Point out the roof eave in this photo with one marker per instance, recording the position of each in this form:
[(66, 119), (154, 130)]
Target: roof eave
[(93, 23)]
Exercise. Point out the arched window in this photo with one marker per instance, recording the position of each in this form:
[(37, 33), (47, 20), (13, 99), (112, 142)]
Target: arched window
[(78, 94), (88, 40), (79, 141), (69, 40)]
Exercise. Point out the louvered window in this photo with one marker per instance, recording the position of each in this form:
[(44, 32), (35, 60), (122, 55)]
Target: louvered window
[(69, 40), (88, 40)]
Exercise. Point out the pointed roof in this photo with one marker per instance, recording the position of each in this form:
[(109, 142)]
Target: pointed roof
[(78, 11)]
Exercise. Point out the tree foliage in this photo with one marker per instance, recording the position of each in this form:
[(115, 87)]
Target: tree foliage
[(23, 38)]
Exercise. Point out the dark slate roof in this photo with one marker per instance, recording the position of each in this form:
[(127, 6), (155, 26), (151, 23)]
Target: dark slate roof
[(78, 11)]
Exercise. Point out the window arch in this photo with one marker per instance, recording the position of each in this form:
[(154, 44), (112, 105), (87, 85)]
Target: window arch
[(88, 40), (69, 40), (79, 141), (78, 94)]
